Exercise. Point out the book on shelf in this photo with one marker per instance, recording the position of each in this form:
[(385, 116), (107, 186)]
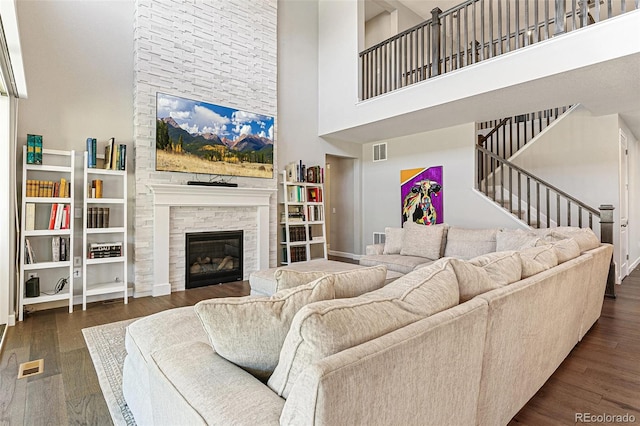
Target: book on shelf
[(91, 153), (98, 217), (59, 249), (47, 188), (299, 172), (29, 256), (96, 188), (52, 216), (30, 217), (105, 250), (34, 149)]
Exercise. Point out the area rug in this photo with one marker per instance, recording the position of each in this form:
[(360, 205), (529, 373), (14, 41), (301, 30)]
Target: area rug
[(106, 347)]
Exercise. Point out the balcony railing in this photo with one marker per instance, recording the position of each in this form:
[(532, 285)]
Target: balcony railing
[(474, 31)]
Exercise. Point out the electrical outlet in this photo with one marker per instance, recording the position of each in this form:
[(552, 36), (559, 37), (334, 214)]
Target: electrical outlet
[(32, 275), (77, 272), (77, 214), (77, 261)]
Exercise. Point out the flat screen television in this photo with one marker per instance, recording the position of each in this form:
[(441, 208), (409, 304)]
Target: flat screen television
[(199, 137)]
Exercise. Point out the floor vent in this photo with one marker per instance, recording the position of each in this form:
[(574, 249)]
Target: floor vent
[(378, 238), (380, 151), (31, 368)]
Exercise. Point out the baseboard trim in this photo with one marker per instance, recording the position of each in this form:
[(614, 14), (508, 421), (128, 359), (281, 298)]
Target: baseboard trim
[(161, 289)]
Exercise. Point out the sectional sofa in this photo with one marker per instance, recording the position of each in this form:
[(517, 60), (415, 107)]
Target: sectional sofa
[(453, 341)]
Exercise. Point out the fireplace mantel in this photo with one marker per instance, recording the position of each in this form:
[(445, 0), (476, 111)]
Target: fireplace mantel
[(167, 195)]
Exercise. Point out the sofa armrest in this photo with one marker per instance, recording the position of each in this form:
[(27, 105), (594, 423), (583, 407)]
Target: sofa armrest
[(374, 249), (191, 384)]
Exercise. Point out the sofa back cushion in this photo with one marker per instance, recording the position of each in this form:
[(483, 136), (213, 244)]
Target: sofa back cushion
[(565, 248), (424, 291), (515, 239), (288, 278), (249, 331), (537, 259), (585, 237), (349, 283), (325, 328), (503, 267), (423, 240), (468, 243), (392, 240)]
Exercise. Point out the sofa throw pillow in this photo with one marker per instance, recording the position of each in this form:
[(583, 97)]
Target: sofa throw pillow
[(585, 237), (537, 259), (515, 239), (472, 279), (425, 291), (250, 331), (565, 249), (422, 241), (325, 328), (392, 240), (287, 278), (355, 282), (503, 268), (468, 243)]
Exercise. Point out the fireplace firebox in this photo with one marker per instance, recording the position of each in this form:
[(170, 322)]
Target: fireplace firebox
[(213, 258)]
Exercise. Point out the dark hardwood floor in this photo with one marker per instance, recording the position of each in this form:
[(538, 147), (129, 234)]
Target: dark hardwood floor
[(600, 376)]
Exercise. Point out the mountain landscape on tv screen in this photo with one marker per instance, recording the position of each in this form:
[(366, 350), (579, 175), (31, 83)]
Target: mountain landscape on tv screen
[(233, 143)]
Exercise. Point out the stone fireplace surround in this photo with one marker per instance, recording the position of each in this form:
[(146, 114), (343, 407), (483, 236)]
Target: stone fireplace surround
[(167, 195)]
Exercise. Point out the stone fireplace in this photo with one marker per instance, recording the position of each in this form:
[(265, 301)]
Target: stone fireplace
[(213, 258), (231, 203)]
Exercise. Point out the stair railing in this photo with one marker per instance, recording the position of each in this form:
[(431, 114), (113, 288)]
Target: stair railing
[(473, 31), (534, 194), (510, 134)]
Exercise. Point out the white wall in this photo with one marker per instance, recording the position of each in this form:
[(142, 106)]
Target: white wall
[(454, 149), (341, 204), (388, 24), (579, 155), (340, 108), (298, 93), (78, 60)]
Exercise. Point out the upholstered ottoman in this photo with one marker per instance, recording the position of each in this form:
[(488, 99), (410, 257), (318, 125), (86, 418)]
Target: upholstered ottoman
[(263, 283)]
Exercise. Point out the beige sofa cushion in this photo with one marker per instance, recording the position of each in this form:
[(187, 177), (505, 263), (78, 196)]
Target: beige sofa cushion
[(515, 239), (324, 328), (249, 331), (395, 262), (424, 291), (565, 249), (287, 278), (359, 281), (349, 283), (392, 240), (472, 279), (423, 240), (537, 259), (585, 237), (469, 243), (504, 267)]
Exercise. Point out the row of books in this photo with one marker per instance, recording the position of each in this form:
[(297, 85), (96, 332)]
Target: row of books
[(34, 149), (298, 254), (48, 188), (314, 195), (95, 190), (298, 172), (296, 233), (115, 155), (59, 250), (295, 194), (98, 217), (315, 213), (59, 217), (105, 250)]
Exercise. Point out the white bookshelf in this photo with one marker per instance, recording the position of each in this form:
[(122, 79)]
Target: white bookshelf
[(302, 238), (104, 276), (56, 165)]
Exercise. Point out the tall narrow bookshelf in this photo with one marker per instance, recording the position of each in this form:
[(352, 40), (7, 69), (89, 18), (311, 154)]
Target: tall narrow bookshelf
[(303, 232), (104, 235), (46, 229)]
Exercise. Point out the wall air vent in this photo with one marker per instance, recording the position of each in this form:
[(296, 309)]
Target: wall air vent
[(378, 238), (380, 151)]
